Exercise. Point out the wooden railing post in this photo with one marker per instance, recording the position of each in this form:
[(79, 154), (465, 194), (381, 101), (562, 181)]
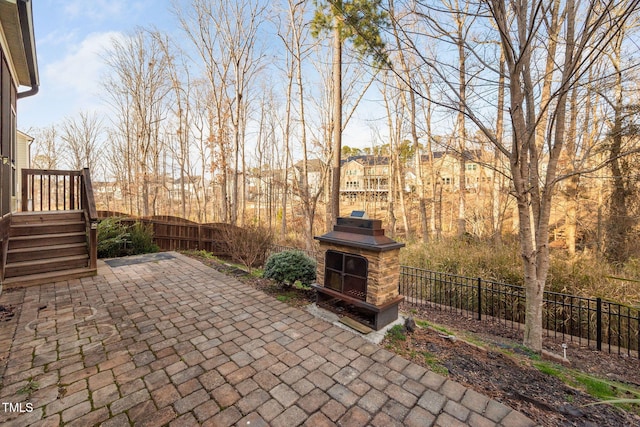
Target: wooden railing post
[(72, 193), (93, 244), (5, 224), (25, 191), (91, 214)]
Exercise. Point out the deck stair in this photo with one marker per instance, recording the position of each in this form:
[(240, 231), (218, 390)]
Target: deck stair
[(47, 246)]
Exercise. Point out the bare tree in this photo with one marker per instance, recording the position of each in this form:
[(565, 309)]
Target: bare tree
[(137, 90), (408, 98), (179, 126), (622, 132), (298, 47), (45, 148), (524, 34), (83, 137), (225, 35)]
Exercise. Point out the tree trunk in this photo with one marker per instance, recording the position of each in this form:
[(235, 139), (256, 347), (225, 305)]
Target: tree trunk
[(337, 125), (461, 125)]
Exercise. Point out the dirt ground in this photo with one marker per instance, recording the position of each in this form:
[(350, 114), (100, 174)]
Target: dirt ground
[(509, 376), (486, 356)]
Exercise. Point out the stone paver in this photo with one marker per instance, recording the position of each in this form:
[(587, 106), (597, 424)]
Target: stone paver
[(174, 342)]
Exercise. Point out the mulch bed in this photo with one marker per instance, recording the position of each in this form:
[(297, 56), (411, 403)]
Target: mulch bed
[(512, 379)]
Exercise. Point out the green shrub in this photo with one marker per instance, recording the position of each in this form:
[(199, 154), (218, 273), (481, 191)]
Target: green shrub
[(112, 237), (141, 239), (117, 239), (288, 267)]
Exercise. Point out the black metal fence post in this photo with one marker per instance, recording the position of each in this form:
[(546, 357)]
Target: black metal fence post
[(479, 298), (599, 324)]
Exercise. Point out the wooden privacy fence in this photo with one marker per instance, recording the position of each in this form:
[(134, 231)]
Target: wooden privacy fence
[(172, 233)]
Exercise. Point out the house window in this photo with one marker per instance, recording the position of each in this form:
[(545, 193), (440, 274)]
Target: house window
[(472, 167), (446, 181)]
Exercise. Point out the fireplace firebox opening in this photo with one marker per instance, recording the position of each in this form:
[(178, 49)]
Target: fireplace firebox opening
[(346, 273)]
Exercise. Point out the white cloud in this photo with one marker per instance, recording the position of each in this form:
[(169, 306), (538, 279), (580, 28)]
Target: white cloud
[(95, 10), (77, 75), (70, 84)]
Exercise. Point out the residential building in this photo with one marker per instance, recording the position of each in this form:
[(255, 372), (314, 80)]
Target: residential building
[(367, 176), (364, 176), (315, 174)]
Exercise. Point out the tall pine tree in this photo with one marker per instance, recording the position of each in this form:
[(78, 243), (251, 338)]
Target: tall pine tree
[(358, 22)]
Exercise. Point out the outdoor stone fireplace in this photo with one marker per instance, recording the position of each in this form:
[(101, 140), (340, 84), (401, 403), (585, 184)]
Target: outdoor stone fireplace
[(358, 274)]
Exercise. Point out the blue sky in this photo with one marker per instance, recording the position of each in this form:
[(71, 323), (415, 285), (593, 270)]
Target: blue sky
[(70, 37), (70, 34)]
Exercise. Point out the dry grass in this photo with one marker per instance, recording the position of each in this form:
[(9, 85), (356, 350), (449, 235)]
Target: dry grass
[(584, 275)]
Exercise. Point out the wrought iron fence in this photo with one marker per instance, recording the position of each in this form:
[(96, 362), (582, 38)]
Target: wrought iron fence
[(592, 321)]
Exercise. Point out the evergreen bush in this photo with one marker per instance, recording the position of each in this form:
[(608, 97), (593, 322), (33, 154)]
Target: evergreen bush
[(287, 267), (112, 237), (117, 239), (141, 239)]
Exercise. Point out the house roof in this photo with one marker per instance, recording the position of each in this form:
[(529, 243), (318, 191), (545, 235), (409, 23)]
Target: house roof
[(313, 165), (367, 160), (470, 155), (16, 18)]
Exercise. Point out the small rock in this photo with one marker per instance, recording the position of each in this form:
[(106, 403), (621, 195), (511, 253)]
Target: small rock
[(410, 324), (432, 348), (570, 410), (451, 338)]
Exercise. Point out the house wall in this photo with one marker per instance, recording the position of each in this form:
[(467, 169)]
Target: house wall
[(8, 172), (22, 162), (358, 178)]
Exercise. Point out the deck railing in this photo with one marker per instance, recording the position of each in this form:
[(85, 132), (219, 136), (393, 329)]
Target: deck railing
[(51, 190), (59, 190)]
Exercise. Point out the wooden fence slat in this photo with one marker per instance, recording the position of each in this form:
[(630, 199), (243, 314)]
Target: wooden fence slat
[(173, 233)]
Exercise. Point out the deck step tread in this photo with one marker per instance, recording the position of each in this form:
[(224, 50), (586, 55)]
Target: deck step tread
[(47, 261), (47, 236), (46, 224), (47, 248), (48, 277)]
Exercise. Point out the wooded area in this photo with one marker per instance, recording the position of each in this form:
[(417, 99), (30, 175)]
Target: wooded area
[(237, 118)]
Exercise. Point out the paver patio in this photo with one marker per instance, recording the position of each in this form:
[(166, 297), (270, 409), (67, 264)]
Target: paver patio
[(174, 342)]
